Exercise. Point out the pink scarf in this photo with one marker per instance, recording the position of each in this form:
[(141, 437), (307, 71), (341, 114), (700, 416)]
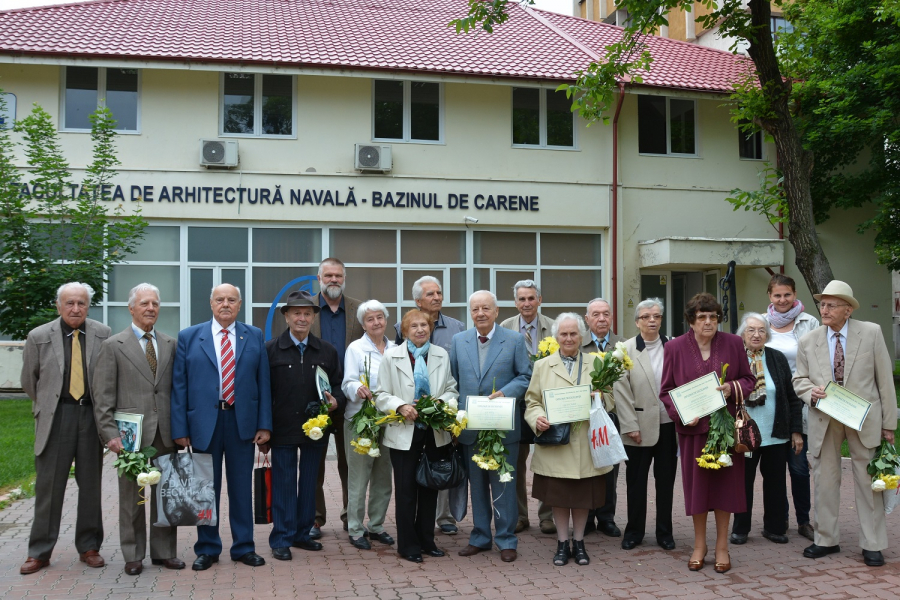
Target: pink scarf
[(779, 320)]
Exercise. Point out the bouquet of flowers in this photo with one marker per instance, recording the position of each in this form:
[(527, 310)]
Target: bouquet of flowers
[(885, 468), (491, 451), (318, 422), (440, 415), (136, 466), (366, 423), (609, 367), (719, 438), (546, 347)]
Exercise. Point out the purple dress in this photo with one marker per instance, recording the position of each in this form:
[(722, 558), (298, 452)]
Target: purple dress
[(706, 489)]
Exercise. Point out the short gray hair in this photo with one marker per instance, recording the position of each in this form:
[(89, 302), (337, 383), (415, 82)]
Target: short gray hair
[(758, 317), (213, 290), (488, 292), (570, 316), (332, 261), (526, 283), (649, 302), (417, 286), (604, 300), (373, 305), (85, 287), (141, 287)]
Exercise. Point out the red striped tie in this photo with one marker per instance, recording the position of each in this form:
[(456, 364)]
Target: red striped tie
[(227, 369)]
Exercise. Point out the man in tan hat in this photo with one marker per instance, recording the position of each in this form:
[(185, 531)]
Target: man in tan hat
[(853, 354)]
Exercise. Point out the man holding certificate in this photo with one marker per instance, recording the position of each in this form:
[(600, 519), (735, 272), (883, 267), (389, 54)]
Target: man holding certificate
[(493, 369), (853, 355)]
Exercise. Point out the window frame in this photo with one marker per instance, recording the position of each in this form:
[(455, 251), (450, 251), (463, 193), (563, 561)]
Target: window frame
[(668, 117), (762, 145), (101, 99), (407, 114), (542, 121), (257, 108)]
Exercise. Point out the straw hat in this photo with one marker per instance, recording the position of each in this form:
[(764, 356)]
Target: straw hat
[(300, 298), (841, 290)]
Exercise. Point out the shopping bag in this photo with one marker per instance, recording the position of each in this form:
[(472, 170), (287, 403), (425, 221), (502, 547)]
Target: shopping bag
[(262, 493), (606, 443), (186, 493)]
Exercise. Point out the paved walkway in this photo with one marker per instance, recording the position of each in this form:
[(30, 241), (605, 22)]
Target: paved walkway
[(761, 569)]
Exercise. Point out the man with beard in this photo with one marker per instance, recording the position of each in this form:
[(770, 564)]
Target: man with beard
[(336, 324)]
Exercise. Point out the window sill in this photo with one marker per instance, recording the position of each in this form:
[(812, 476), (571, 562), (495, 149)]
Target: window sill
[(422, 142), (88, 131), (250, 136), (694, 156), (537, 147)]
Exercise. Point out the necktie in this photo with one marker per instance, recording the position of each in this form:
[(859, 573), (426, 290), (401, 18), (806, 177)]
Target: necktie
[(301, 346), (76, 368), (483, 339), (838, 360), (227, 369), (529, 341), (151, 353)]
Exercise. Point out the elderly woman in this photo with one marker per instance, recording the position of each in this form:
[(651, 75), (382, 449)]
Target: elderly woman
[(409, 371), (647, 431), (700, 351), (564, 476), (366, 472), (777, 411), (788, 323)]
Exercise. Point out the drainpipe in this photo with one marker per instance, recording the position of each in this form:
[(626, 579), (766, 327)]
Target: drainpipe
[(615, 207)]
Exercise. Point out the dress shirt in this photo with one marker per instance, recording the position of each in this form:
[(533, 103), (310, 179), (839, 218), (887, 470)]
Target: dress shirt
[(217, 344), (831, 344), (139, 333), (597, 340), (297, 342), (489, 335), (354, 365), (67, 360), (333, 324), (535, 332)]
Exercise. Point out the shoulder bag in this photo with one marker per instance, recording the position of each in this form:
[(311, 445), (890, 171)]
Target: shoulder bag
[(746, 432)]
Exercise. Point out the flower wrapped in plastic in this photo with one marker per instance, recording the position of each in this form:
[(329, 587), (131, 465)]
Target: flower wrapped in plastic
[(137, 467), (609, 367), (885, 468)]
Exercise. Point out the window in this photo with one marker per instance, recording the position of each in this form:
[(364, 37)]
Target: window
[(780, 25), (750, 144), (87, 88), (667, 126), (257, 105), (407, 111), (543, 118)]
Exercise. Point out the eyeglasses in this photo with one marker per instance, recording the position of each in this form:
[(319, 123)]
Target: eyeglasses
[(649, 317), (832, 305), (712, 317), (754, 331)]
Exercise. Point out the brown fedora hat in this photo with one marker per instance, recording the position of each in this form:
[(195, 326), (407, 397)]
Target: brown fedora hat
[(300, 298), (841, 290)]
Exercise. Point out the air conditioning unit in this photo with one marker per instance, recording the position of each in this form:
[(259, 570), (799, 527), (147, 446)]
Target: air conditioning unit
[(372, 158), (219, 153)]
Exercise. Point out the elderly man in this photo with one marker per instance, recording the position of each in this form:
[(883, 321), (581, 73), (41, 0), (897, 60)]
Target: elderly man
[(599, 321), (534, 327), (222, 405), (336, 324), (491, 361), (852, 354), (429, 298), (134, 374), (57, 369)]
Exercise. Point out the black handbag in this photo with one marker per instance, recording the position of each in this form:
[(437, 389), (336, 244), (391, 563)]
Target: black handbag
[(441, 473), (558, 435)]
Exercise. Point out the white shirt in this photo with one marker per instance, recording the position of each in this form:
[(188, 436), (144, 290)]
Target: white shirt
[(143, 342), (358, 353), (787, 344), (832, 342), (217, 344), (489, 335)]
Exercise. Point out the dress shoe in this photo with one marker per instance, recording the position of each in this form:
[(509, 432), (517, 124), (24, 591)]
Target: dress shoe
[(315, 533), (548, 526), (134, 567), (170, 563), (203, 562), (251, 559), (282, 554), (629, 543), (471, 550), (33, 565), (723, 567), (608, 528), (92, 558), (806, 530), (346, 527), (510, 555), (521, 526), (696, 565), (738, 538), (416, 558), (382, 537), (435, 553), (361, 543), (816, 551), (310, 545), (448, 529), (775, 537), (873, 558), (666, 543)]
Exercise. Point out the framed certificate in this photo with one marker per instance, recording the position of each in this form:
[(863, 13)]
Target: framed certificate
[(843, 405), (486, 413), (698, 398), (130, 426), (568, 404)]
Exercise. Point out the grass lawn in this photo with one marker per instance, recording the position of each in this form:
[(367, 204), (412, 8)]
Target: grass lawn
[(16, 444)]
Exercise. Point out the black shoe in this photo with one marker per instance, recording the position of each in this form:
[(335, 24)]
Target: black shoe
[(629, 543), (361, 543), (562, 555), (346, 527), (416, 558), (204, 561), (382, 537), (282, 554), (251, 559), (775, 537), (666, 543), (315, 533), (815, 551), (873, 558), (579, 553), (448, 529), (435, 553), (310, 545), (738, 538), (608, 528)]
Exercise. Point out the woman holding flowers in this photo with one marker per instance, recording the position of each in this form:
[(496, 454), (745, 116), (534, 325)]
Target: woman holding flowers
[(408, 372), (564, 475), (710, 483), (368, 465)]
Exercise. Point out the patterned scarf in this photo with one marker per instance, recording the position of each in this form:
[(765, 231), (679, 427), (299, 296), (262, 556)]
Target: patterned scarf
[(758, 396), (420, 372), (779, 320), (568, 362)]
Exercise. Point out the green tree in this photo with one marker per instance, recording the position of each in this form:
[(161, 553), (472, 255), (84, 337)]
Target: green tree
[(53, 231)]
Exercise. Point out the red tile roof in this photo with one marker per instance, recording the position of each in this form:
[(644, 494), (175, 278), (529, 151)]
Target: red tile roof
[(398, 35)]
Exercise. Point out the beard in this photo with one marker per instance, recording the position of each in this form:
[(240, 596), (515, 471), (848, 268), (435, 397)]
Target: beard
[(333, 291)]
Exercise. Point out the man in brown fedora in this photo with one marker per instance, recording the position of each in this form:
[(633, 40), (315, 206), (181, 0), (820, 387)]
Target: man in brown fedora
[(853, 354)]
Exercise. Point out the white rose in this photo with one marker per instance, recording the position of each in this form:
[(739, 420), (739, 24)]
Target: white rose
[(364, 442), (143, 479), (460, 416), (878, 485), (725, 460), (374, 452), (315, 433), (453, 404), (618, 355), (154, 478), (505, 478)]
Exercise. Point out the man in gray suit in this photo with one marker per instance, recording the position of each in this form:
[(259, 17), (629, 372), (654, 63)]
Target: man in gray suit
[(534, 327), (490, 361), (134, 375), (57, 368)]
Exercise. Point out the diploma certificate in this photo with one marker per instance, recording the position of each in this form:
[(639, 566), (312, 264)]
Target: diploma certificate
[(698, 398), (843, 405), (487, 413), (568, 404)]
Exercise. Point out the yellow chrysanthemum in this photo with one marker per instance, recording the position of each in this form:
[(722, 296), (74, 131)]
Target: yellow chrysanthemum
[(627, 363)]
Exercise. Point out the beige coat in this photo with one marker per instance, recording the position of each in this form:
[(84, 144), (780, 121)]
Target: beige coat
[(637, 399), (573, 460)]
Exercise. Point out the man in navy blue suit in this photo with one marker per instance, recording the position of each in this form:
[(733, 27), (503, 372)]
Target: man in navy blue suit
[(222, 405), (491, 361)]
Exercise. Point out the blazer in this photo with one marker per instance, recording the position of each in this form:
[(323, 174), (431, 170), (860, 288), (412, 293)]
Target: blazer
[(354, 327), (195, 384), (396, 387), (868, 373), (507, 363), (43, 370), (589, 346), (637, 396), (123, 381), (573, 460), (545, 324)]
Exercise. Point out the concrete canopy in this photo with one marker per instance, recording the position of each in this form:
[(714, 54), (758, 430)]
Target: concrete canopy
[(696, 252)]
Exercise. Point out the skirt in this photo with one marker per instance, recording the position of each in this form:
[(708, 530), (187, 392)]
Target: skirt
[(705, 489), (585, 493)]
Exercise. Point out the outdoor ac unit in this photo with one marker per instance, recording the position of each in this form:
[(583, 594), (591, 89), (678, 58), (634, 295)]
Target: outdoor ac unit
[(372, 158), (218, 153)]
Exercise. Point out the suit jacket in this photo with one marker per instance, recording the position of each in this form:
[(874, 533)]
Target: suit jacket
[(123, 381), (43, 370), (868, 373), (590, 346), (354, 328), (637, 397), (396, 387), (507, 363), (609, 399), (195, 384), (545, 324)]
